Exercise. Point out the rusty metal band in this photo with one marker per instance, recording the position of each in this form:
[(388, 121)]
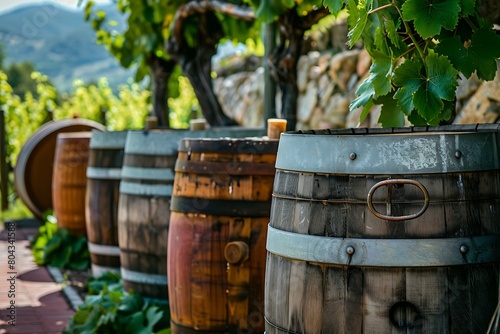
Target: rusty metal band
[(225, 168), (220, 207), (143, 278), (145, 189), (102, 173), (108, 140), (98, 271), (230, 145), (437, 252), (100, 249), (381, 154)]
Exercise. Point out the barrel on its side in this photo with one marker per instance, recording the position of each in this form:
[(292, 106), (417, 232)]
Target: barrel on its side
[(69, 180), (218, 227), (144, 205), (101, 201), (34, 166), (385, 231)]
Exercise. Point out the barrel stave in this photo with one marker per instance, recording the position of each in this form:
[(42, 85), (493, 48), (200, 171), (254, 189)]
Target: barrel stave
[(431, 300)]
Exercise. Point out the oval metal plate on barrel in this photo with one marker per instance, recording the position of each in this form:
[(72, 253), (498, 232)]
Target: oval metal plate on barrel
[(419, 185)]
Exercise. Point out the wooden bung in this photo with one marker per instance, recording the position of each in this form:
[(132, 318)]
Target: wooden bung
[(197, 124), (236, 252)]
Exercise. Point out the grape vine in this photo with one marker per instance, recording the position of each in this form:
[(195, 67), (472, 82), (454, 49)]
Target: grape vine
[(418, 49)]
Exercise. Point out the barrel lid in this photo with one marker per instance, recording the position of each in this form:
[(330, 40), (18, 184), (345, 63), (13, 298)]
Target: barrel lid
[(410, 150), (33, 170), (108, 139), (249, 145), (166, 142)]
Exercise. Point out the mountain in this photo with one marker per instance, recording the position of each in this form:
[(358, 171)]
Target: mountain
[(60, 44)]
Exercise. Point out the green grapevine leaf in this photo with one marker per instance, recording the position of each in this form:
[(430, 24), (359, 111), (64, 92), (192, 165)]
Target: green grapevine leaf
[(361, 14), (392, 33), (431, 15), (378, 82), (425, 86), (366, 110), (458, 54), (479, 56), (390, 114), (408, 77), (441, 76), (467, 7), (428, 104), (417, 120), (270, 9), (365, 93), (334, 6)]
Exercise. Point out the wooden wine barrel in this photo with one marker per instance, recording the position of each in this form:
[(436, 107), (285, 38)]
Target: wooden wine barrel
[(385, 231), (144, 205), (218, 226), (69, 180), (101, 201), (33, 170)]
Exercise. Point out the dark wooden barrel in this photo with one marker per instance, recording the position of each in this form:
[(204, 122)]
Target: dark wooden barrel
[(218, 226), (69, 180), (34, 166), (385, 231), (101, 201), (144, 205)]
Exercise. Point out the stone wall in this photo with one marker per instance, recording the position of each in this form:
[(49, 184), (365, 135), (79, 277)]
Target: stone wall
[(327, 82)]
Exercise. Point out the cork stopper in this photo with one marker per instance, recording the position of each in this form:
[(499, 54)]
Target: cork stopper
[(275, 126), (151, 123), (197, 124)]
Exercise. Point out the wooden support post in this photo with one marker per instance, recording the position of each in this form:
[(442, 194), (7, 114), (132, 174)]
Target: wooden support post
[(4, 173)]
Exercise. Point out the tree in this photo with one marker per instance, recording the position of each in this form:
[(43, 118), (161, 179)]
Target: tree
[(293, 19), (19, 77), (194, 35), (141, 44)]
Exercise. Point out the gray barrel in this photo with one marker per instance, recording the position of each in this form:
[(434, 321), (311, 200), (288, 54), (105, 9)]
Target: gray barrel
[(144, 206), (101, 201), (385, 231)]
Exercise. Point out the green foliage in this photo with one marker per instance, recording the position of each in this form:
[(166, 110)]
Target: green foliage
[(182, 107), (56, 247), (22, 118), (418, 49), (112, 280), (122, 111), (144, 36), (108, 309), (20, 79)]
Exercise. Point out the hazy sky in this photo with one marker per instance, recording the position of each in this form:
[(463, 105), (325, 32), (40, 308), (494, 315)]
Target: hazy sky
[(7, 5)]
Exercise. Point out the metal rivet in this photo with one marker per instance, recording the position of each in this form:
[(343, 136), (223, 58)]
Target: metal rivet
[(464, 249), (350, 250), (458, 154), (352, 156)]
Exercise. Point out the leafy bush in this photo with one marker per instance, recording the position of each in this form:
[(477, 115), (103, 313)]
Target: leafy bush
[(57, 247), (108, 309)]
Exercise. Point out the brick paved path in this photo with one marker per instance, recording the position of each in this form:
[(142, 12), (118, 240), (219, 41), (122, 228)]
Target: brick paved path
[(40, 307)]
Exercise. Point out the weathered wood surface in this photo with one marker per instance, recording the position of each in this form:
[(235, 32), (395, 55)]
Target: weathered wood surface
[(143, 219), (307, 297), (216, 256), (69, 180), (101, 201)]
